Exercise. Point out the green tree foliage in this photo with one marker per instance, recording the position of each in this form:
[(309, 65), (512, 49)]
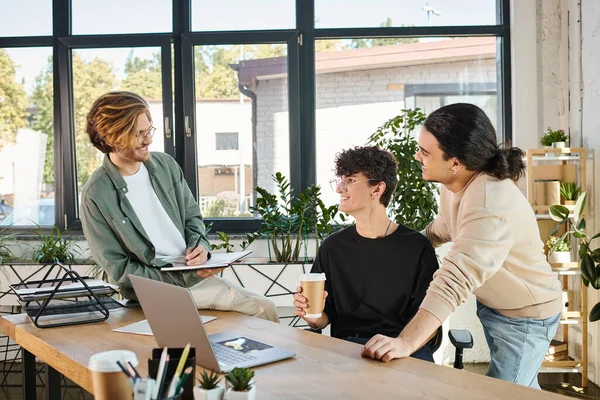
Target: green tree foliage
[(143, 76), (90, 80), (13, 101), (214, 76)]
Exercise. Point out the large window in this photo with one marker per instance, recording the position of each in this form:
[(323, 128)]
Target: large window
[(26, 137), (238, 90), (241, 89)]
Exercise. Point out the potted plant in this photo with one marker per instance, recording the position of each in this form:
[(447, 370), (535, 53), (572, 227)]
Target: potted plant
[(413, 203), (5, 250), (555, 139), (52, 247), (561, 253), (209, 388), (242, 386), (569, 192), (590, 257)]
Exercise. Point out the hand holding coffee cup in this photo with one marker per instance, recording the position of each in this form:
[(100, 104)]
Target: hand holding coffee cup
[(310, 299)]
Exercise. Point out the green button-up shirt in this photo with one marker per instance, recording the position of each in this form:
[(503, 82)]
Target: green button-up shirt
[(115, 235)]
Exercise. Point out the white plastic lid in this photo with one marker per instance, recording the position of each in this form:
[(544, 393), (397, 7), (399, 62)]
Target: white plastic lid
[(107, 360), (312, 277)]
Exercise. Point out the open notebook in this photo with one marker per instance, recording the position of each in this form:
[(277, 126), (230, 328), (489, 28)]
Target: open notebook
[(217, 260)]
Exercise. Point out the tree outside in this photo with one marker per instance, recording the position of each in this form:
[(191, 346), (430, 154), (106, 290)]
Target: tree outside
[(13, 101)]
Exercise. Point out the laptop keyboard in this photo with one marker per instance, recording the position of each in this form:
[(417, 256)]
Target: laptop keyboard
[(228, 356)]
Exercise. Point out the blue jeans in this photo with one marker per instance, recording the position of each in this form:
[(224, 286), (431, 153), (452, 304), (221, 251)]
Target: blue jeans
[(517, 345), (425, 353)]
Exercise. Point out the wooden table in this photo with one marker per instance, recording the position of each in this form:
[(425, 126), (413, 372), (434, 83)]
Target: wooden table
[(324, 368)]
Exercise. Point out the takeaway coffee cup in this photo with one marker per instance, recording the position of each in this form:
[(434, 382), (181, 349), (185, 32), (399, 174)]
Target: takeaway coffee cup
[(109, 381), (313, 286)]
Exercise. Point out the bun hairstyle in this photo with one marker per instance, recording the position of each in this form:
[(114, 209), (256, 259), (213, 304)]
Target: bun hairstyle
[(465, 132)]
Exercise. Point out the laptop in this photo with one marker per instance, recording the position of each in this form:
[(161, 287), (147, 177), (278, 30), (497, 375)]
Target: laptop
[(175, 322)]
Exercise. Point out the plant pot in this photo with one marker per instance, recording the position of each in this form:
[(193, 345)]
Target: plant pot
[(559, 145), (212, 394), (559, 257), (249, 395), (570, 202)]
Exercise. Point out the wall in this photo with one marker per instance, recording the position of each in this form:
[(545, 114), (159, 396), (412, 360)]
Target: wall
[(556, 82), (590, 129)]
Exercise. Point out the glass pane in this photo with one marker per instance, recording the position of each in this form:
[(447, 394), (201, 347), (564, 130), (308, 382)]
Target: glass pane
[(239, 15), (237, 151), (397, 13), (26, 137), (121, 16), (97, 71), (26, 18), (359, 89)]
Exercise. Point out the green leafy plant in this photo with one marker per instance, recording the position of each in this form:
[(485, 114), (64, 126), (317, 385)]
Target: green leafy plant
[(5, 251), (553, 137), (210, 380), (414, 202), (240, 379), (560, 246), (287, 220), (590, 270), (54, 247), (569, 191)]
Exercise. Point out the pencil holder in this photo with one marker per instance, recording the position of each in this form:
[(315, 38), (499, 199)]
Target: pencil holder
[(187, 392)]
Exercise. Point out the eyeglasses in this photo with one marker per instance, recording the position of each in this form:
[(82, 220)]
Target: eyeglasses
[(141, 136), (344, 183)]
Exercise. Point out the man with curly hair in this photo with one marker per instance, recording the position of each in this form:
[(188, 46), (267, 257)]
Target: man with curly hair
[(377, 271), (137, 210)]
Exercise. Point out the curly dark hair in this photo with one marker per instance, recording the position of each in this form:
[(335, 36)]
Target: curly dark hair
[(377, 164)]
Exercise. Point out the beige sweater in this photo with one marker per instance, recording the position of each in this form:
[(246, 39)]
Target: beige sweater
[(496, 253)]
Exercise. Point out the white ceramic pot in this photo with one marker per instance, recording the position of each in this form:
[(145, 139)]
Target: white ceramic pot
[(212, 394), (249, 395), (559, 145), (560, 257)]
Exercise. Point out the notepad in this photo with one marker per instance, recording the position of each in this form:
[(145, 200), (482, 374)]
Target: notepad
[(217, 260), (143, 328)]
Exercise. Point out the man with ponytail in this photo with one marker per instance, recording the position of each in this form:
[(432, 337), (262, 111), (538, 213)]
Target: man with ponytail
[(496, 250), (137, 210)]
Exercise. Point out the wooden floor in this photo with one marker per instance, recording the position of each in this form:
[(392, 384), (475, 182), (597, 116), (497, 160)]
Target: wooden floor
[(565, 384)]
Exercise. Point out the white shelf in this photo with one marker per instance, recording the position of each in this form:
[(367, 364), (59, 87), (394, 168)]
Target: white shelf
[(555, 158), (547, 216), (570, 321), (556, 370)]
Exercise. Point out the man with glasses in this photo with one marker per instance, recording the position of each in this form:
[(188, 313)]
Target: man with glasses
[(137, 209), (377, 271)]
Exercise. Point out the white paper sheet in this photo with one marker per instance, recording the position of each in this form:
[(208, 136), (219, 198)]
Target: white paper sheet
[(143, 328)]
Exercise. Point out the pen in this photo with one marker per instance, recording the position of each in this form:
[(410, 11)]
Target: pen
[(159, 374), (184, 377), (131, 379), (135, 371), (163, 380), (184, 356)]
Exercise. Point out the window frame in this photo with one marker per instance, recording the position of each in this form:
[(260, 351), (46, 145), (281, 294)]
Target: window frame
[(301, 80)]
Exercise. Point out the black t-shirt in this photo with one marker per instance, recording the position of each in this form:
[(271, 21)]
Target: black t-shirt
[(375, 286)]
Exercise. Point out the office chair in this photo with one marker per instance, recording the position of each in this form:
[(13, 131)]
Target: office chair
[(460, 338)]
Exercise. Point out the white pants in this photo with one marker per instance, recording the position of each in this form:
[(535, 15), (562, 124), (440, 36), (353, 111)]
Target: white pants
[(216, 293)]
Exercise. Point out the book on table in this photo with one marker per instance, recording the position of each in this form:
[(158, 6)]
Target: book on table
[(217, 260)]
